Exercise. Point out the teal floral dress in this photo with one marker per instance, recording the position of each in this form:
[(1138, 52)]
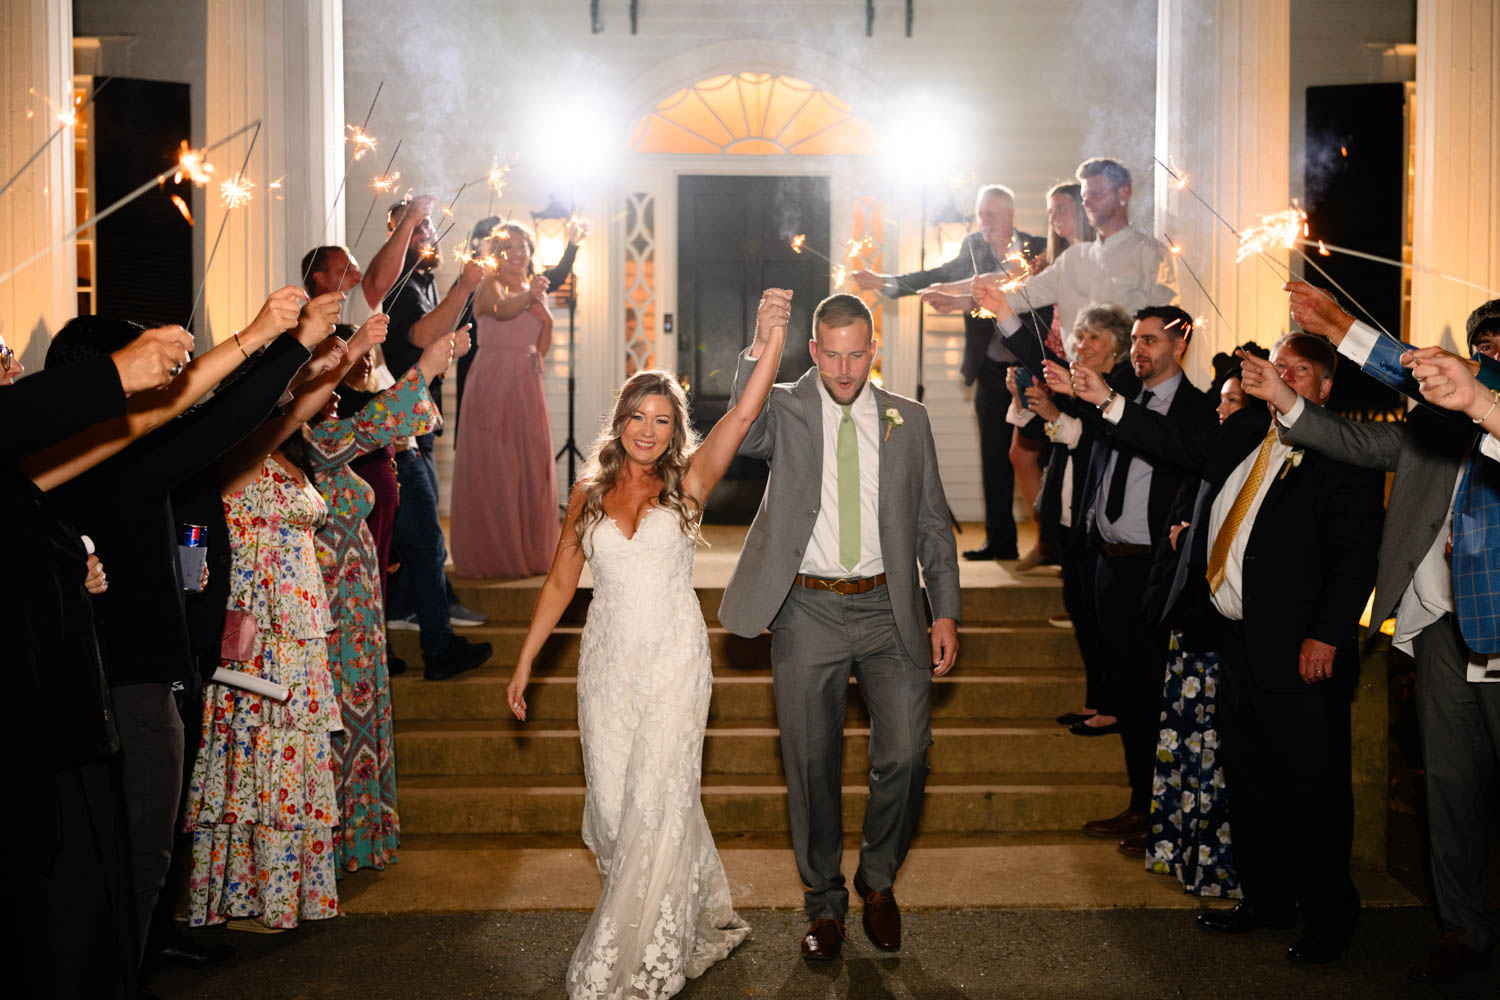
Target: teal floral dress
[(364, 751), (261, 806), (1188, 836)]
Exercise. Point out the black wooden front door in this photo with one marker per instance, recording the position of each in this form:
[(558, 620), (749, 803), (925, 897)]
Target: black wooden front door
[(734, 237)]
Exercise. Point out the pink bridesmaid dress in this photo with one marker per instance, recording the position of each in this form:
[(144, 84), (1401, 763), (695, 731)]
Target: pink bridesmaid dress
[(505, 512)]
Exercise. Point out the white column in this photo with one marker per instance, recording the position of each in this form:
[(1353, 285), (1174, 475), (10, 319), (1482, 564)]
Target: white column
[(36, 82), (280, 61), (1455, 207), (1222, 103)]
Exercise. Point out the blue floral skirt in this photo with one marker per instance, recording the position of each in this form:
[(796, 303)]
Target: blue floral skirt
[(1189, 822)]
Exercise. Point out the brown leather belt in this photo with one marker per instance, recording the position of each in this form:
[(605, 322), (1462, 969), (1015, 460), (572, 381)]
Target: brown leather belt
[(1115, 550), (844, 586)]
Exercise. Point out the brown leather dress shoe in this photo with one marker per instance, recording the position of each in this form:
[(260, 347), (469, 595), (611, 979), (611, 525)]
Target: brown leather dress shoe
[(1130, 823), (1450, 959), (882, 918), (1134, 847), (823, 939)]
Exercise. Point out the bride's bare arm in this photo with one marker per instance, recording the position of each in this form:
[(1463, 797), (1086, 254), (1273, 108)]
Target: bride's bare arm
[(718, 449), (557, 591)]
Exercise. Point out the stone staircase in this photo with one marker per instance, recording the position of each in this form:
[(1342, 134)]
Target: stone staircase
[(1000, 764)]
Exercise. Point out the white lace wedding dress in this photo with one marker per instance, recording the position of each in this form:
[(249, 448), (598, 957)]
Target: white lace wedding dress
[(644, 681)]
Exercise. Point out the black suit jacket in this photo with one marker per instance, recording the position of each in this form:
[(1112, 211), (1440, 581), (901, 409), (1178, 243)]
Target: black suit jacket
[(1310, 559), (977, 332), (1192, 411)]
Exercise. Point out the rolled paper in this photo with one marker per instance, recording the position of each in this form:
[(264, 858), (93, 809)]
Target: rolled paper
[(244, 681), (88, 544)]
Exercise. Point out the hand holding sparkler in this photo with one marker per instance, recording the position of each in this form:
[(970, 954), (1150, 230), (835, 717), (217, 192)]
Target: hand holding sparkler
[(1058, 378), (327, 355), (1316, 311), (318, 318), (577, 229), (1447, 380), (371, 332), (280, 313), (1087, 384), (538, 289), (470, 277), (989, 294), (442, 352), (945, 302), (1261, 380), (417, 209), (868, 281), (153, 359)]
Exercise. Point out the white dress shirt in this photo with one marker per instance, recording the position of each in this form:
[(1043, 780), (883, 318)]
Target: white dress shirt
[(1429, 596), (1129, 269), (822, 556), (1229, 599)]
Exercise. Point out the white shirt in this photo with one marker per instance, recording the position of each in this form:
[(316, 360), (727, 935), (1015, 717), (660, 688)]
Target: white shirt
[(1066, 430), (1129, 269), (1429, 596), (1134, 525), (1229, 599), (822, 556)]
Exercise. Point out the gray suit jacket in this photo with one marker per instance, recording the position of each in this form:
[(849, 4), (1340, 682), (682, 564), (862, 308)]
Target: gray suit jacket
[(914, 524), (1425, 454)]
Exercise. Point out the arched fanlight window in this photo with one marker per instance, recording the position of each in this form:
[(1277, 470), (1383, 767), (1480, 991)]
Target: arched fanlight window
[(756, 114)]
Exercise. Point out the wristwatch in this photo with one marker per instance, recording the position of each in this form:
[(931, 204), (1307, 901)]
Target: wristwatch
[(1107, 400)]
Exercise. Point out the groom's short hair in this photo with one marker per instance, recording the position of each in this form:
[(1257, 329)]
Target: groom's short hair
[(842, 310)]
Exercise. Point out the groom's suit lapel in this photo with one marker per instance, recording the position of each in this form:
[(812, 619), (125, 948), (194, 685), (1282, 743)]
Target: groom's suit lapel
[(883, 495), (812, 409)]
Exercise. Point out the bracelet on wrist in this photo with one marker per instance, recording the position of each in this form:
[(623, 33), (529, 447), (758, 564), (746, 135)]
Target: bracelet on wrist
[(1494, 401), (240, 345), (1108, 400)]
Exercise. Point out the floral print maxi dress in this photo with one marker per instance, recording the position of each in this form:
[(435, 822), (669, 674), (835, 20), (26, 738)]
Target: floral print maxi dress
[(1188, 834), (261, 804), (364, 752)]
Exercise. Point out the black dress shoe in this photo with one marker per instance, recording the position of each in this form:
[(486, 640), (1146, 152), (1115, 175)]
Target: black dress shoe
[(1074, 718), (988, 551), (1317, 949), (1134, 847), (1084, 729), (460, 656), (881, 916), (1242, 917), (823, 939), (395, 666), (1130, 823), (186, 951)]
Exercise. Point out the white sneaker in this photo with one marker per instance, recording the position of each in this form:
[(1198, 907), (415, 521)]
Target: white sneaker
[(407, 624)]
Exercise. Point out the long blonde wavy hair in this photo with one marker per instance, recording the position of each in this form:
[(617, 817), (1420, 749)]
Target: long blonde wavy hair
[(606, 465)]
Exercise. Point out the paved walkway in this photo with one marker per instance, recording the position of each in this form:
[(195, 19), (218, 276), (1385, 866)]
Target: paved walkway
[(948, 954)]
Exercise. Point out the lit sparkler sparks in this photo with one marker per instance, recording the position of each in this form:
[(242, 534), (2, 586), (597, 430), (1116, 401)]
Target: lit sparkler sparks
[(235, 192), (1279, 229), (386, 184), (182, 206), (1323, 248), (193, 164), (862, 245), (799, 242), (840, 273), (362, 141)]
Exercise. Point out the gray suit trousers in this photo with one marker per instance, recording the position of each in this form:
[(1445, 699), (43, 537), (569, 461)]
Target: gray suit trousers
[(1460, 724), (817, 639)]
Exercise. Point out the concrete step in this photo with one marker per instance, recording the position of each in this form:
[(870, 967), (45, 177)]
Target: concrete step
[(734, 804), (960, 746), (512, 602), (740, 693), (1029, 645)]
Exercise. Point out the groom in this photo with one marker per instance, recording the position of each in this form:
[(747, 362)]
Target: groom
[(853, 504)]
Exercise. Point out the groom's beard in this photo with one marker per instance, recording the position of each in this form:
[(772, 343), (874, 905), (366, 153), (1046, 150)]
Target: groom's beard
[(828, 386)]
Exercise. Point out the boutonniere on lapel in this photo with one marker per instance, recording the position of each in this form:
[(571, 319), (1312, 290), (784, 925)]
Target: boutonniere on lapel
[(892, 419), (1293, 460)]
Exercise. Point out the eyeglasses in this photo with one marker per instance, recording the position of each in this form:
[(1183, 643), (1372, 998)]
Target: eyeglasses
[(7, 358)]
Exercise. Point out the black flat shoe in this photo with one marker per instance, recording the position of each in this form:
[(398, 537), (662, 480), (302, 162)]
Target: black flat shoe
[(1074, 718), (1084, 729), (990, 552)]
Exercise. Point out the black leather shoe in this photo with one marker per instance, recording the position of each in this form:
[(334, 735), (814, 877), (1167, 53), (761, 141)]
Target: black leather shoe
[(396, 666), (988, 551), (460, 656), (1242, 917), (1084, 729), (1134, 847), (823, 940), (1129, 823), (1317, 949), (1074, 718), (881, 916)]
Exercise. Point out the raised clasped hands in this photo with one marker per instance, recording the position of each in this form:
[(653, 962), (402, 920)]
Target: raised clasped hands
[(1447, 380), (153, 359), (772, 316), (1261, 380)]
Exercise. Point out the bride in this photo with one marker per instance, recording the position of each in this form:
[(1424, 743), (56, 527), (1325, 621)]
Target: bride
[(644, 680)]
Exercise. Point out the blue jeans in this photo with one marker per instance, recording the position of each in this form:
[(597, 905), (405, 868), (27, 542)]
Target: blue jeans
[(421, 585)]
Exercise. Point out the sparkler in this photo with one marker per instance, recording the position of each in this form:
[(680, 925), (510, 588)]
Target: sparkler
[(384, 183), (229, 203), (235, 192), (117, 205), (1325, 250), (362, 139), (1176, 248), (68, 118), (182, 206), (496, 179), (430, 252), (839, 272), (193, 164)]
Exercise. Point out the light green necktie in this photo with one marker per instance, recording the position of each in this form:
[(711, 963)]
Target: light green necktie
[(847, 454)]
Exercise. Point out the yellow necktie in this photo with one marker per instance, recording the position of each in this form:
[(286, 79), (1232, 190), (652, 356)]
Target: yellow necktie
[(1219, 556)]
